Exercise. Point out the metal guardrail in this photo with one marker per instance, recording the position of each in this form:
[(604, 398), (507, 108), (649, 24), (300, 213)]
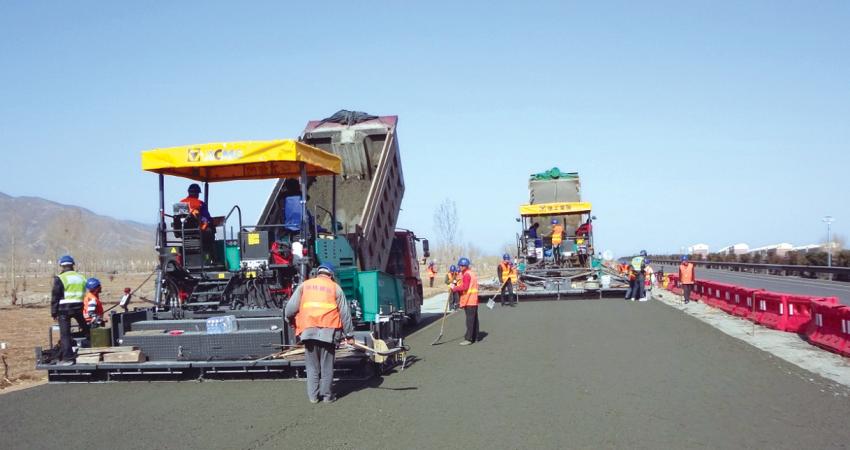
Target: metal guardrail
[(774, 267)]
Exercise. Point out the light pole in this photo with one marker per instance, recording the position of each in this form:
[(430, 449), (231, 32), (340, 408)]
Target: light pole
[(828, 220)]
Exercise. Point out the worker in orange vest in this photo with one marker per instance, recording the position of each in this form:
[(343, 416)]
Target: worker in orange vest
[(197, 207), (557, 238), (468, 290), (452, 279), (432, 273), (92, 307), (507, 274), (322, 317), (686, 278)]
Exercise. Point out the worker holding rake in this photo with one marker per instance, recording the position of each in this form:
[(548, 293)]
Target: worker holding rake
[(468, 290)]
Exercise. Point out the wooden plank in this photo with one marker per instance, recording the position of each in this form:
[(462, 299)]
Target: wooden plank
[(144, 332), (124, 357), (290, 353), (89, 351), (92, 358)]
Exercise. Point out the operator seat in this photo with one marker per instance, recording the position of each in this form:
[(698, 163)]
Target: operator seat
[(187, 228)]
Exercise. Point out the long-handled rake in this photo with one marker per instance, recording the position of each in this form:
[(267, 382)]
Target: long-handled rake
[(443, 321)]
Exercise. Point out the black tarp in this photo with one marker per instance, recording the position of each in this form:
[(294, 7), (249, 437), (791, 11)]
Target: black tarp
[(348, 118)]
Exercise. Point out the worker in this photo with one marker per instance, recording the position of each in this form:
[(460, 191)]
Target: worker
[(532, 231), (197, 207), (631, 276), (557, 238), (322, 318), (468, 290), (686, 278), (66, 303), (637, 277), (125, 299), (585, 229), (507, 274), (92, 306), (649, 280), (581, 251), (452, 279), (432, 273)]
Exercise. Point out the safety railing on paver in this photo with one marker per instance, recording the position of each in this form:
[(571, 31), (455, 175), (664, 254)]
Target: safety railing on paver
[(820, 320)]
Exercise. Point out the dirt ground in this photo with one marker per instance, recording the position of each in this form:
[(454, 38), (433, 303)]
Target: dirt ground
[(24, 327)]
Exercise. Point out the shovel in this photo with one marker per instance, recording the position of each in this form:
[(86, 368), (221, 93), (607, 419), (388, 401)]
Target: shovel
[(492, 302)]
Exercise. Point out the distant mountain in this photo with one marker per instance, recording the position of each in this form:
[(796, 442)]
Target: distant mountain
[(34, 228)]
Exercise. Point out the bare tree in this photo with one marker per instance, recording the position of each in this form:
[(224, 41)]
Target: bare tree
[(16, 250), (65, 234), (446, 224), (510, 248)]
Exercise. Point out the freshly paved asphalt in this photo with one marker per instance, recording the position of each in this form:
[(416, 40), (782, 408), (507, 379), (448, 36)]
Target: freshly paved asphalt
[(569, 374), (791, 285)]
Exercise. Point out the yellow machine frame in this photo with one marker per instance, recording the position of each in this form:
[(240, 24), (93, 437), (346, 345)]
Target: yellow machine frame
[(554, 209), (248, 160)]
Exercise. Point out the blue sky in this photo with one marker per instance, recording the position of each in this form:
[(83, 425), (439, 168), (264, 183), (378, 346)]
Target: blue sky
[(715, 122)]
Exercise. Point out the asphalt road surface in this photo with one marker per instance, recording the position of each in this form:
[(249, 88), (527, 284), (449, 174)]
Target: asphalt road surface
[(569, 374), (776, 283)]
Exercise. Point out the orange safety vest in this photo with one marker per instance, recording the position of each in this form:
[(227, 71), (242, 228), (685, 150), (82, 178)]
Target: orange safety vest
[(195, 205), (318, 308), (686, 272), (450, 277), (432, 272), (557, 234), (470, 297), (98, 307), (508, 270)]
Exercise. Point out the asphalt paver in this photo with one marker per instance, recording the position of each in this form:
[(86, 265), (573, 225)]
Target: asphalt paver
[(568, 374)]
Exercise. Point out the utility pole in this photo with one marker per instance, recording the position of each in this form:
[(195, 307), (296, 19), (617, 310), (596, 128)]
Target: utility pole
[(828, 220)]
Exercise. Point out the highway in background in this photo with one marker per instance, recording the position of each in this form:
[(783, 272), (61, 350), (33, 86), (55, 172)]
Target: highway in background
[(776, 283)]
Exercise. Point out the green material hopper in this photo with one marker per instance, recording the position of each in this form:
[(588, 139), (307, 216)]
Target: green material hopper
[(379, 293), (596, 263), (231, 255), (336, 251), (347, 280)]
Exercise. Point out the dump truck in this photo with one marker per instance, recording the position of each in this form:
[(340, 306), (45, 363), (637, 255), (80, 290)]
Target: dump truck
[(366, 197), (571, 267), (222, 284)]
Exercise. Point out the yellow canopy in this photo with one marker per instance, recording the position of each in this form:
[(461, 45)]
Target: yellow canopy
[(554, 209), (249, 160)]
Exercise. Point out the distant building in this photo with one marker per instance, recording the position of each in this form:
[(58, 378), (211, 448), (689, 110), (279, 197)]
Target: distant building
[(808, 248), (737, 249), (700, 250), (779, 250)]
